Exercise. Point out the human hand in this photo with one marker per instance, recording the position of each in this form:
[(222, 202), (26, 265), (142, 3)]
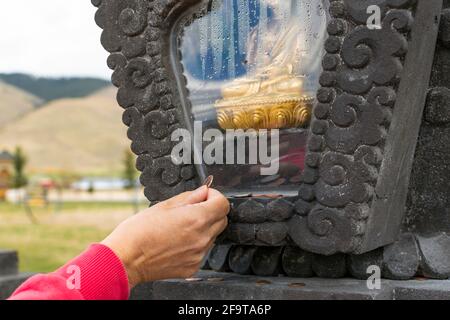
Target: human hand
[(170, 239)]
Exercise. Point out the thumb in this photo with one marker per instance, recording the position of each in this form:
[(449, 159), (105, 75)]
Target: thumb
[(186, 198)]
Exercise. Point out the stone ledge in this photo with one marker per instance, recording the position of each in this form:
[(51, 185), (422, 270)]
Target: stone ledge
[(226, 286), (10, 283), (423, 290), (8, 262)]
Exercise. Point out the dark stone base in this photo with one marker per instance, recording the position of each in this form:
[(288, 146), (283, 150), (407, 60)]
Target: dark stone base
[(410, 256), (9, 262), (10, 278), (228, 286), (8, 284)]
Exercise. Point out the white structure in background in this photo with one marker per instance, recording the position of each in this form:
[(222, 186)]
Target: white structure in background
[(99, 184), (106, 190), (15, 195)]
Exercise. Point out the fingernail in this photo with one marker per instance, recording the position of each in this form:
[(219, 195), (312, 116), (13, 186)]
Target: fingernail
[(199, 191)]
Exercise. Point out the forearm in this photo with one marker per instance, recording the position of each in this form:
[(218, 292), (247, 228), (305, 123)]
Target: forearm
[(96, 274)]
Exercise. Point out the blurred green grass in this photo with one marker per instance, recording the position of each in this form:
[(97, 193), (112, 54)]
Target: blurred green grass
[(60, 235)]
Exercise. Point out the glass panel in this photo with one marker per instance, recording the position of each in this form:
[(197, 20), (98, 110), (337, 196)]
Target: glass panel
[(255, 64)]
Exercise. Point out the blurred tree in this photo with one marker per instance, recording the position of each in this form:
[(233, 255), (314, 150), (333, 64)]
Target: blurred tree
[(129, 169), (19, 163), (91, 188)]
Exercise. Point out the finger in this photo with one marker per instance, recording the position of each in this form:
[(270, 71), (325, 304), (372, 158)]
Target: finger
[(214, 194), (218, 227), (198, 196), (217, 205), (211, 211), (173, 202), (186, 198)]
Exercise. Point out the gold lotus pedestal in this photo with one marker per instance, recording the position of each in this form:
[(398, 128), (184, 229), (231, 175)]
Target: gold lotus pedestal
[(264, 104)]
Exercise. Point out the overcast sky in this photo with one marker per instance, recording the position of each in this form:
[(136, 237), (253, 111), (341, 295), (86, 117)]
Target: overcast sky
[(51, 38)]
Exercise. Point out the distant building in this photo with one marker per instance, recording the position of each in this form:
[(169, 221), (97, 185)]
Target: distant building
[(6, 172), (100, 184)]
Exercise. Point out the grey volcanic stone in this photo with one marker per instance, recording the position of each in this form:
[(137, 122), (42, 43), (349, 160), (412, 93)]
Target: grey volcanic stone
[(272, 234), (401, 259), (266, 261), (242, 233), (218, 258), (435, 252), (429, 200), (444, 32), (240, 259), (280, 210), (297, 262), (9, 262), (329, 266), (8, 284), (237, 287), (423, 290), (438, 106), (358, 264), (250, 211), (144, 291)]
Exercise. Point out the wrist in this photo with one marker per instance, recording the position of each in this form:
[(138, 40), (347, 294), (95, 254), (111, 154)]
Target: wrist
[(128, 261)]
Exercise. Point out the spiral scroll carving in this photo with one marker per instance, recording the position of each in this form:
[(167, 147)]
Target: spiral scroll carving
[(332, 230), (373, 56), (362, 69), (132, 32)]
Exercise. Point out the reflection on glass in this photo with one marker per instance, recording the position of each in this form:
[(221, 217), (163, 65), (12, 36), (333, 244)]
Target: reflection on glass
[(254, 64)]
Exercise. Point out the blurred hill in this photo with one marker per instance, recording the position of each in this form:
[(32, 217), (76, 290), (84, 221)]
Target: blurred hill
[(14, 103), (54, 88), (83, 135)]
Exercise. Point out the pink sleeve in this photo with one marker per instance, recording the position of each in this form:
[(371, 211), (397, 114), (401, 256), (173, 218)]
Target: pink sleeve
[(96, 274)]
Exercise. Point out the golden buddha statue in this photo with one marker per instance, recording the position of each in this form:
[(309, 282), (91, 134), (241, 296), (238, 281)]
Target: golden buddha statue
[(274, 97)]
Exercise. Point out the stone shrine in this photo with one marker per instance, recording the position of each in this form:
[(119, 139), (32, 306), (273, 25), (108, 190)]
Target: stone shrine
[(351, 104)]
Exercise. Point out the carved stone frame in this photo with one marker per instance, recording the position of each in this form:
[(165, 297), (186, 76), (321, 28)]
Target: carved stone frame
[(362, 136)]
